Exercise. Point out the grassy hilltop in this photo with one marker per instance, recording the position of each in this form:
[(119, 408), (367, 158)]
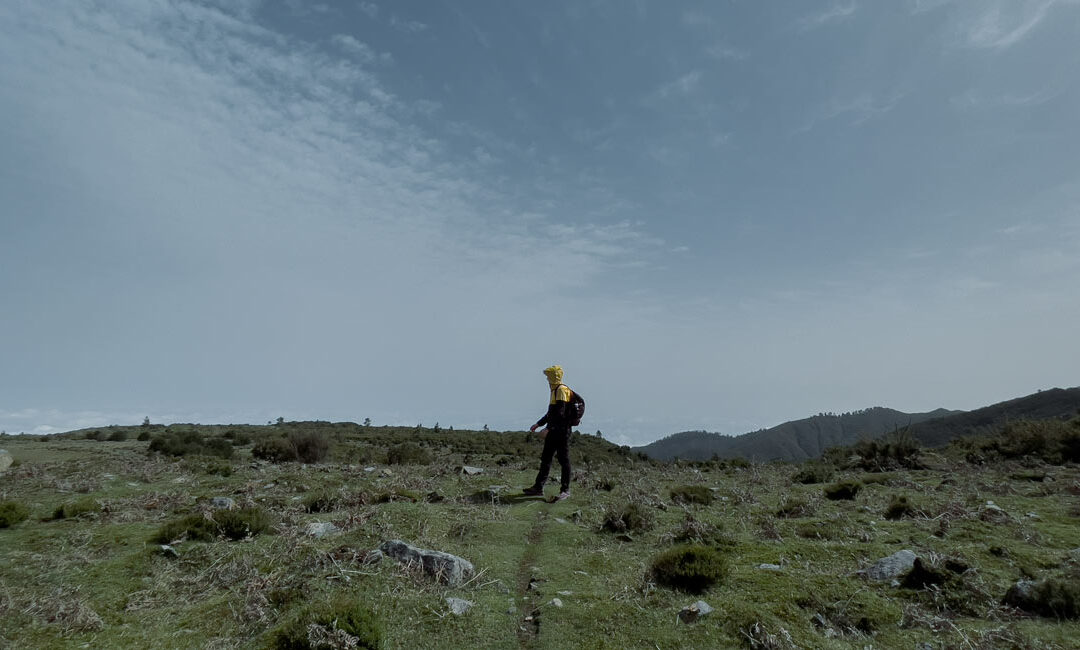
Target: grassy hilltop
[(776, 549)]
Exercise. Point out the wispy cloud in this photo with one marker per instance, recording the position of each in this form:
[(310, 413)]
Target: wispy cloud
[(836, 12), (855, 111), (1002, 24), (973, 99)]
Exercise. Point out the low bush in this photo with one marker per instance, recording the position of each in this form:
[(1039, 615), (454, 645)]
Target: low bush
[(242, 523), (143, 436), (310, 446), (897, 450), (693, 568), (233, 524), (844, 490), (184, 443), (692, 494), (11, 513), (899, 507), (192, 527), (73, 509), (409, 453), (344, 623), (794, 507), (321, 501), (118, 436), (630, 518), (813, 473), (275, 450)]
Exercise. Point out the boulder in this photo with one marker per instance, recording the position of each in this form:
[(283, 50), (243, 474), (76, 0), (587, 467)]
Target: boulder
[(445, 567), (458, 606), (320, 529), (471, 471), (890, 567), (692, 613), (5, 460), (222, 503)]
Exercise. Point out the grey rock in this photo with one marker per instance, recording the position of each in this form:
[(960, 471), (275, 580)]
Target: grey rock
[(445, 567), (458, 606), (320, 529), (925, 645), (770, 567), (1021, 594), (471, 471), (692, 613), (222, 503), (369, 469), (373, 557), (892, 566), (555, 602), (5, 460), (168, 551)]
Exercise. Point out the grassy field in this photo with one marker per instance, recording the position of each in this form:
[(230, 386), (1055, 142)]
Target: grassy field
[(81, 571)]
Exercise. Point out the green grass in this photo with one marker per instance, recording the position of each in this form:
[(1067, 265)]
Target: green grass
[(98, 579)]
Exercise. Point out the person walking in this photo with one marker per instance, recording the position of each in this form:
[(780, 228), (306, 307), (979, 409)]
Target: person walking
[(557, 439)]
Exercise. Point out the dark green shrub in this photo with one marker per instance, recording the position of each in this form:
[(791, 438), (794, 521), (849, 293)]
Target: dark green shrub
[(631, 518), (233, 524), (12, 513), (899, 507), (692, 531), (844, 490), (192, 527), (399, 495), (74, 509), (813, 473), (275, 450), (692, 568), (118, 436), (692, 494), (819, 530), (310, 446), (408, 453), (321, 501), (241, 523), (184, 443), (794, 507), (342, 624), (143, 436)]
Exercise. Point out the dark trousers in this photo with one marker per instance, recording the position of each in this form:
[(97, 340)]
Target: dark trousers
[(556, 443)]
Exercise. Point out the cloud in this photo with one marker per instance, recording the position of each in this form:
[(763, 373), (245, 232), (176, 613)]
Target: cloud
[(1003, 24), (684, 85), (856, 110), (410, 26), (836, 12)]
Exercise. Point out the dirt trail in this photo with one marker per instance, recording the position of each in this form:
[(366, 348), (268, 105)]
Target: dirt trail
[(528, 624)]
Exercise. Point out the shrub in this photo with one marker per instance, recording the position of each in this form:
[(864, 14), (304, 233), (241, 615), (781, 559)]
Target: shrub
[(321, 501), (692, 568), (631, 518), (409, 453), (793, 507), (692, 494), (813, 473), (233, 524), (844, 490), (899, 507), (184, 443), (143, 436), (341, 624), (310, 446), (74, 509), (118, 436), (12, 513), (275, 450)]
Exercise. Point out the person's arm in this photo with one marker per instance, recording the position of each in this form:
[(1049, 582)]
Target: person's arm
[(558, 411)]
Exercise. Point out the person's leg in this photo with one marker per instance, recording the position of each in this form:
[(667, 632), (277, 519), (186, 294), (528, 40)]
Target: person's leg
[(564, 461), (545, 461)]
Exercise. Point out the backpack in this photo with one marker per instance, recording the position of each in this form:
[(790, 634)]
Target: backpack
[(577, 407)]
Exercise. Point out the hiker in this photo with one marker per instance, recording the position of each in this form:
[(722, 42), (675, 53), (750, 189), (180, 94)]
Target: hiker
[(559, 418)]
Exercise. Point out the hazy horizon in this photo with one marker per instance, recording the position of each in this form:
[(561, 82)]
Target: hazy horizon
[(714, 216)]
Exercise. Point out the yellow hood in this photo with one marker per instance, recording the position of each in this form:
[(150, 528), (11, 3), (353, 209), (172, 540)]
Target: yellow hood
[(554, 375)]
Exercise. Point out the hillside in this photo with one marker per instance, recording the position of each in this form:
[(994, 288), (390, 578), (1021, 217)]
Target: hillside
[(793, 441), (1054, 403)]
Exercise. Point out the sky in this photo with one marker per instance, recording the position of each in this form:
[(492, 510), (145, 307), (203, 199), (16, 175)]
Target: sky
[(715, 215)]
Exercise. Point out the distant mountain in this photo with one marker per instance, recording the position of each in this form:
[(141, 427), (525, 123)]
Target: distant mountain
[(808, 438), (1043, 405), (796, 440)]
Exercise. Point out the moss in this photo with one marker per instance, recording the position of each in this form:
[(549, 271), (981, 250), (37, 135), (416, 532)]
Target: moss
[(331, 623), (693, 568), (692, 494), (11, 513)]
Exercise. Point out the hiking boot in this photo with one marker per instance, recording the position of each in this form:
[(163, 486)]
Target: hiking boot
[(563, 496), (533, 491)]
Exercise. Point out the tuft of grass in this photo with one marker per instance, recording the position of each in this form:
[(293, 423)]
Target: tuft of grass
[(899, 507), (343, 623), (321, 501), (233, 524), (693, 568), (813, 473), (687, 494), (275, 450), (409, 453), (310, 446), (73, 509), (843, 491), (630, 518), (11, 513), (793, 507), (1056, 597)]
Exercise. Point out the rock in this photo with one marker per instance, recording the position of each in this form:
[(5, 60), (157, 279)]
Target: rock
[(560, 520), (566, 593), (471, 471), (445, 567), (369, 469), (458, 606), (1021, 595), (770, 567), (168, 551), (5, 460), (320, 529), (555, 602), (892, 566), (373, 557), (222, 503), (386, 472), (692, 613)]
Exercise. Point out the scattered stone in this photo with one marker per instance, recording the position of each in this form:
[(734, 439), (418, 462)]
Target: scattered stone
[(555, 602), (222, 503), (770, 567), (582, 573), (468, 470), (108, 477), (268, 486), (1021, 594), (891, 566), (5, 460), (566, 593), (369, 469), (692, 613), (168, 551), (1032, 515), (373, 557), (925, 645), (560, 520), (131, 484), (459, 606), (501, 586), (386, 472), (434, 497), (445, 567), (320, 529)]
